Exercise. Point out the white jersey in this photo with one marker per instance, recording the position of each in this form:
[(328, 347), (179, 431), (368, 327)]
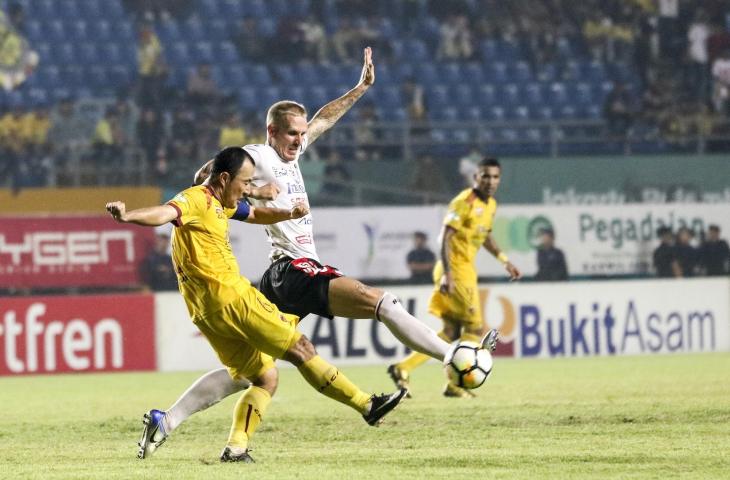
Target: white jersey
[(293, 238)]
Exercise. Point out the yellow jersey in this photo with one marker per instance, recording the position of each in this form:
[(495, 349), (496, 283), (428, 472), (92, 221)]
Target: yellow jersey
[(207, 271), (472, 219)]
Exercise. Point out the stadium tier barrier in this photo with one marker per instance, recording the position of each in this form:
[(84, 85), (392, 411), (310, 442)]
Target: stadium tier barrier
[(44, 335)]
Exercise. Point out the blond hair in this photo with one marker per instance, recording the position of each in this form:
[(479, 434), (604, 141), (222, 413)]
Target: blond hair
[(278, 112)]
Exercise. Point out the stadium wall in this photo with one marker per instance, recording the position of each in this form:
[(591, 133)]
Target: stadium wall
[(80, 200)]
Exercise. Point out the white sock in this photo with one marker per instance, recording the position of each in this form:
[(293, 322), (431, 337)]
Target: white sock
[(208, 390), (408, 329)]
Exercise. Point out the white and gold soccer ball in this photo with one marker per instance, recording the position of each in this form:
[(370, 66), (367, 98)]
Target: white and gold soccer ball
[(467, 364)]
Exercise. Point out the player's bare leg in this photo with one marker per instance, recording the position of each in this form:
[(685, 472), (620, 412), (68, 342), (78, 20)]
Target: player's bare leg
[(353, 299)]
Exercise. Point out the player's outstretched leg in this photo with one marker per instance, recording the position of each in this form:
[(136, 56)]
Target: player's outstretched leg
[(227, 455), (400, 377), (153, 433), (381, 405)]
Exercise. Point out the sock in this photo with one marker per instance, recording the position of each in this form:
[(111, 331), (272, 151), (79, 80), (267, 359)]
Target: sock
[(329, 381), (470, 337), (408, 329), (208, 390), (247, 416), (415, 359)]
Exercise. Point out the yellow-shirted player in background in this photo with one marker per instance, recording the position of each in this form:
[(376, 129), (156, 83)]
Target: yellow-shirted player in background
[(246, 330), (455, 299)]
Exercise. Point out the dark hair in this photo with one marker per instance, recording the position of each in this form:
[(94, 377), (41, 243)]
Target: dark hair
[(714, 228), (489, 162), (663, 230), (230, 160), (420, 234)]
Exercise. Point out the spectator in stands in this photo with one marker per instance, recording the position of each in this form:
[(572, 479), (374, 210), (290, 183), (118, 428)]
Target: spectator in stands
[(698, 77), (152, 67), (128, 115), (250, 43), (289, 40), (468, 165), (232, 132), (151, 133), (366, 133), (551, 264), (714, 253), (420, 259), (617, 111), (335, 186), (456, 42), (108, 139), (346, 40), (68, 131), (202, 88), (664, 256), (416, 107), (721, 83), (16, 16), (315, 39), (37, 125), (428, 179), (686, 254), (156, 269)]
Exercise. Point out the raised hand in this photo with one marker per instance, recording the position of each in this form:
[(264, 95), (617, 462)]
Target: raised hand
[(367, 77), (116, 210)]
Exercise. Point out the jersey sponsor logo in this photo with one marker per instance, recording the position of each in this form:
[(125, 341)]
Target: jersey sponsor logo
[(312, 269), (295, 188), (280, 171), (303, 239)]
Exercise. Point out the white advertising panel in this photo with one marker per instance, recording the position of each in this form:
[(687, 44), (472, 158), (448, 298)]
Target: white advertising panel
[(597, 240), (535, 320)]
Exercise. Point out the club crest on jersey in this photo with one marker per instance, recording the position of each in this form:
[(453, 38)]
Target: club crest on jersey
[(219, 212), (479, 210)]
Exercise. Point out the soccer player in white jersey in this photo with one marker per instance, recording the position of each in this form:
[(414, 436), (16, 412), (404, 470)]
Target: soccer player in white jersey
[(296, 281)]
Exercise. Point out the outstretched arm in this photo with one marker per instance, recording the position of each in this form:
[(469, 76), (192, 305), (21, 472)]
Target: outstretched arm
[(493, 248), (267, 216), (328, 115), (148, 216), (264, 192)]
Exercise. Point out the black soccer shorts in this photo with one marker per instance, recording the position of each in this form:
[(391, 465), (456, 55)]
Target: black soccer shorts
[(299, 286)]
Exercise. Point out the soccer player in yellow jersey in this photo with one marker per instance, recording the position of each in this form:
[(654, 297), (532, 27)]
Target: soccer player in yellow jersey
[(455, 299), (246, 331)]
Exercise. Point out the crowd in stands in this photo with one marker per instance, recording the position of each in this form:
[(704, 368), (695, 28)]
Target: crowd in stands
[(667, 62)]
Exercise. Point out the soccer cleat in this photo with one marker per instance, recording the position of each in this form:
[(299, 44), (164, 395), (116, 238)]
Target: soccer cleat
[(229, 456), (399, 377), (381, 405), (452, 391), (489, 342), (153, 433)]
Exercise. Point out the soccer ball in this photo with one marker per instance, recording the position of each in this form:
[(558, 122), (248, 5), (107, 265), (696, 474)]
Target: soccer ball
[(467, 364)]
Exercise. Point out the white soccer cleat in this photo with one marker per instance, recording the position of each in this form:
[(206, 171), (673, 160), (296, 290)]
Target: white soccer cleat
[(153, 433), (489, 342)]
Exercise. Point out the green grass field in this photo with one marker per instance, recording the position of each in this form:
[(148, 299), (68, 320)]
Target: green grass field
[(631, 417)]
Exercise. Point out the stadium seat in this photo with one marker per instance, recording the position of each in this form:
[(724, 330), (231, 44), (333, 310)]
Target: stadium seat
[(72, 76), (450, 73), (488, 49), (44, 51), (533, 93), (305, 73), (227, 52), (124, 31), (258, 75), (110, 53), (202, 52), (520, 113), (113, 10), (473, 114), (595, 71), (235, 76), (486, 135), (497, 72), (99, 31), (267, 27), (55, 31), (568, 112), (78, 30), (415, 49), (521, 72), (247, 98), (217, 29), (285, 74), (571, 71), (296, 93), (317, 96), (87, 53), (192, 29), (547, 73), (63, 53), (495, 114), (486, 95), (37, 97), (98, 77), (583, 94), (209, 8), (463, 95), (558, 94), (49, 76), (509, 94), (445, 114), (427, 74), (121, 75), (169, 31), (508, 134), (543, 113), (397, 114), (268, 95), (178, 54), (92, 10), (438, 97), (257, 9), (231, 8), (390, 97), (473, 73), (594, 112), (34, 31)]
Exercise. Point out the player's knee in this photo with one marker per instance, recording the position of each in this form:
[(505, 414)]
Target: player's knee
[(268, 380), (300, 352)]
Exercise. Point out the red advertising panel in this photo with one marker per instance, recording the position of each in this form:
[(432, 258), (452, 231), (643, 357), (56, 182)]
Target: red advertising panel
[(71, 251), (77, 334)]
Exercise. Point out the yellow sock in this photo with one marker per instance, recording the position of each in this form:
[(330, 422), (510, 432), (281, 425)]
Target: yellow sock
[(329, 381), (416, 359), (247, 415), (470, 337)]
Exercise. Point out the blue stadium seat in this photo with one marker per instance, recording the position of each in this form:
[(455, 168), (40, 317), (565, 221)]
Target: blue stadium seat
[(397, 114), (533, 93), (543, 113), (73, 76), (473, 114), (520, 113), (110, 53), (497, 72), (572, 71), (63, 53), (533, 134), (87, 53), (285, 74), (55, 31), (256, 9), (509, 94), (521, 72), (486, 95), (121, 75), (235, 76), (34, 30), (450, 73), (595, 71), (486, 135), (488, 49), (267, 27), (495, 114), (558, 94), (78, 30), (169, 31), (67, 11), (268, 95), (473, 73), (178, 54), (296, 93), (49, 76), (44, 51), (306, 73), (227, 52), (385, 74), (60, 93), (202, 52), (217, 29), (92, 10), (438, 97), (445, 114), (594, 112), (508, 134), (463, 95), (99, 31), (547, 73), (317, 96), (403, 71), (415, 49), (427, 74), (192, 29), (124, 30), (37, 97), (390, 97), (258, 75), (98, 77), (583, 93), (247, 98), (113, 10), (209, 8), (568, 112)]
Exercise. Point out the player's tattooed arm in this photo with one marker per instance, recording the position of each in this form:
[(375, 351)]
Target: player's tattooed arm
[(328, 115), (446, 284)]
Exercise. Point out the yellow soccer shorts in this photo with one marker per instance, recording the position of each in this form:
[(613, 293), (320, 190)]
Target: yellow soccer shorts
[(461, 305), (249, 333)]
